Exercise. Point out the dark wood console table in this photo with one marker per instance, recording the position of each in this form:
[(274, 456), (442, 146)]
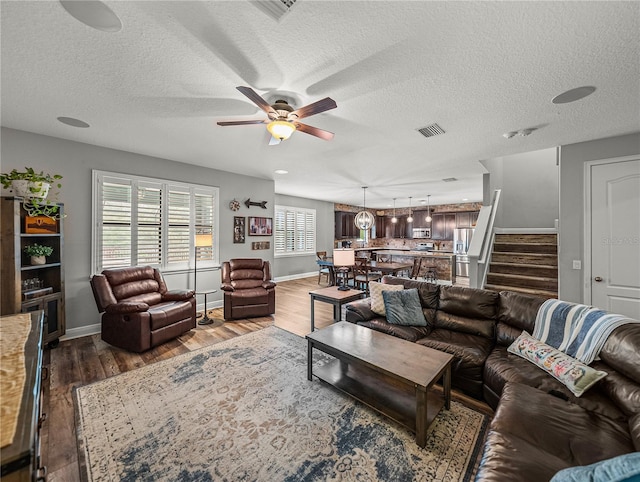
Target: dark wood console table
[(21, 459)]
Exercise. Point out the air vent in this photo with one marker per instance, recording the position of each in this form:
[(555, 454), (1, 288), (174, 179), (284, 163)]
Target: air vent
[(431, 130), (450, 179), (276, 9)]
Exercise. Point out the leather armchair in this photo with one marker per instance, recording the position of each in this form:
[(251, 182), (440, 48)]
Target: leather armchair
[(248, 289), (138, 312)]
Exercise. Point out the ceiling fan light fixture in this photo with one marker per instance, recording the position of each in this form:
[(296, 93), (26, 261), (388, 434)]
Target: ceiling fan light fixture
[(280, 129)]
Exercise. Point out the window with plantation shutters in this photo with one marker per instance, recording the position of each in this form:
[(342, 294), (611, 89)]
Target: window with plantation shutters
[(144, 221), (294, 231)]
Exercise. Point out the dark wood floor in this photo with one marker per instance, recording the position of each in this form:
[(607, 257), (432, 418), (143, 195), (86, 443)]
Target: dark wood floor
[(88, 359)]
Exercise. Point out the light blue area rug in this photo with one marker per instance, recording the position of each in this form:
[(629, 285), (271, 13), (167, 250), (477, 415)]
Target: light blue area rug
[(243, 410)]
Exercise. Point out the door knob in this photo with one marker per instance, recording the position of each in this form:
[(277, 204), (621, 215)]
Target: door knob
[(597, 279)]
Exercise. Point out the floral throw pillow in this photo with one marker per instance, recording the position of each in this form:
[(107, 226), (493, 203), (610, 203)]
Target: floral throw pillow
[(575, 375), (376, 289)]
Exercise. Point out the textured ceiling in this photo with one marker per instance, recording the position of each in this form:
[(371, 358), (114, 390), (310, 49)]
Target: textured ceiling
[(478, 69)]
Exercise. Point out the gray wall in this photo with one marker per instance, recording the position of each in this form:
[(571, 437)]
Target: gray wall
[(75, 162), (292, 265), (529, 184), (571, 231)]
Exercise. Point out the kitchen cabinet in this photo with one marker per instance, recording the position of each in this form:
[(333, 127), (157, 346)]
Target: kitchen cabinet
[(380, 230), (401, 228), (419, 220), (27, 287), (345, 225), (442, 226), (466, 219)]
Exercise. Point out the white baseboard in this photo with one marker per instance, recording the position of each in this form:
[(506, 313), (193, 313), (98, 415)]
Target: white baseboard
[(295, 276), (88, 330), (526, 230)]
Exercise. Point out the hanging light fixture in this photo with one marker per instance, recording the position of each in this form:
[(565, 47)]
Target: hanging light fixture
[(428, 218), (410, 218), (364, 219), (394, 219)]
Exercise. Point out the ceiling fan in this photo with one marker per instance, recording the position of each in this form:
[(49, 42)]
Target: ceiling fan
[(283, 119)]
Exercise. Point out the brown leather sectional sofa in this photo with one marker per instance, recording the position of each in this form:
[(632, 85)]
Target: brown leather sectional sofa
[(539, 426)]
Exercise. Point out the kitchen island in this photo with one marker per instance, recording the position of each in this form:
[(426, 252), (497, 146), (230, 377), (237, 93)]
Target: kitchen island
[(443, 261)]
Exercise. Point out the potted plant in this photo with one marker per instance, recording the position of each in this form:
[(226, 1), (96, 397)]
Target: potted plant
[(34, 188), (38, 253)]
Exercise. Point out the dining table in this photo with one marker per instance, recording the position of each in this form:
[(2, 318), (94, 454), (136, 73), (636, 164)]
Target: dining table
[(393, 268)]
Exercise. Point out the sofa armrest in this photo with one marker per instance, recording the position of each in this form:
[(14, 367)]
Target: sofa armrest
[(124, 307), (177, 295), (359, 310), (267, 285), (227, 287)]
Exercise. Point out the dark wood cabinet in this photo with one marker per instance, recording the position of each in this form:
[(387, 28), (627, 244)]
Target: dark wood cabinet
[(419, 219), (380, 230), (27, 287), (345, 225), (442, 226)]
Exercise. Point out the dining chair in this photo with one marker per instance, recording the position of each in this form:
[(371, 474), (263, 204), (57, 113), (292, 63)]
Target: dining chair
[(323, 270), (363, 275), (415, 271)]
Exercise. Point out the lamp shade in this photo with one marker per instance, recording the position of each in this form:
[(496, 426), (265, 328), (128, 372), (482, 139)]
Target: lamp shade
[(203, 240), (344, 257), (281, 129)]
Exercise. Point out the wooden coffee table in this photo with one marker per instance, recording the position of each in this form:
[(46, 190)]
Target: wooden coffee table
[(390, 375), (335, 297)]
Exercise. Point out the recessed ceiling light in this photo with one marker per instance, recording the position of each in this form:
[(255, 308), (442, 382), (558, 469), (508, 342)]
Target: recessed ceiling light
[(93, 13), (465, 199), (573, 94), (281, 171), (70, 121)]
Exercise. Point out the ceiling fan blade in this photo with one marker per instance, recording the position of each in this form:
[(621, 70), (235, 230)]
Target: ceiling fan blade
[(240, 123), (320, 106), (314, 131), (273, 141), (256, 99)]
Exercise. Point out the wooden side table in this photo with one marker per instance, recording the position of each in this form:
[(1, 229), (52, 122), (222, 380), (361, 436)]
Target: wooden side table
[(335, 297)]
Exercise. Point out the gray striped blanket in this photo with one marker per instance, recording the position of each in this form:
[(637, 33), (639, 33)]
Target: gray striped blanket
[(580, 331)]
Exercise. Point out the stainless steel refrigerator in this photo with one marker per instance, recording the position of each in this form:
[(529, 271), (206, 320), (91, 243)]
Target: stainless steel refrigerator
[(461, 241)]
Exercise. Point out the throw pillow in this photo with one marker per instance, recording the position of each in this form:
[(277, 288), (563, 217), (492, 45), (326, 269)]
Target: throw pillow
[(575, 375), (404, 308), (376, 289), (624, 468)]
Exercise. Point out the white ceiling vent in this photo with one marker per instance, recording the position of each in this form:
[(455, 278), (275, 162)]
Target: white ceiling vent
[(431, 130), (276, 9), (450, 179)]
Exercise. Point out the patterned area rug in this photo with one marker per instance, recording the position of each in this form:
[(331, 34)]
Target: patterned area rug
[(243, 410)]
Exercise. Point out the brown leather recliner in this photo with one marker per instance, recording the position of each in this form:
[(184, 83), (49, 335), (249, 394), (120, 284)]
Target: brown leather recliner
[(248, 289), (138, 310)]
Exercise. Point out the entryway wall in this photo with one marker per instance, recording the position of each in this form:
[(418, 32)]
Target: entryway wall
[(573, 157)]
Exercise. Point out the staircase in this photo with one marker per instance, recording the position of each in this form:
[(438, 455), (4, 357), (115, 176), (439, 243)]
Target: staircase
[(526, 263)]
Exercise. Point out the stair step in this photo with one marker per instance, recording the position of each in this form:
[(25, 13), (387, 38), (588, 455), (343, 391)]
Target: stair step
[(526, 258), (528, 291), (539, 282), (527, 238), (546, 248), (525, 269)]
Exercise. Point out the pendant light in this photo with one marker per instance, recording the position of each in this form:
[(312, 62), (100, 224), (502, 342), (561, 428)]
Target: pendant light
[(394, 219), (364, 219), (428, 218), (410, 218)]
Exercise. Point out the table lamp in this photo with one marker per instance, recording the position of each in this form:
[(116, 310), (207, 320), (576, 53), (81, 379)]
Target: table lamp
[(343, 259)]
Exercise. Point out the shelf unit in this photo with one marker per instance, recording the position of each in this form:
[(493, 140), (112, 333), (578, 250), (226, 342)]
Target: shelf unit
[(16, 269)]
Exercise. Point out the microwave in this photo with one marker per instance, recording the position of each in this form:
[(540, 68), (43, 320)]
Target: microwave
[(419, 233)]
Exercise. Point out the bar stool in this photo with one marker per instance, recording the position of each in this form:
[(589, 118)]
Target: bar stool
[(431, 274)]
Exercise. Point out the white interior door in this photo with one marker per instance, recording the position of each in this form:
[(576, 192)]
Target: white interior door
[(615, 237)]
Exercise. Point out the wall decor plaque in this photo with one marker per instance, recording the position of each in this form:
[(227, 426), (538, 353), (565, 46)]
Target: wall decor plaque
[(260, 226), (239, 229)]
